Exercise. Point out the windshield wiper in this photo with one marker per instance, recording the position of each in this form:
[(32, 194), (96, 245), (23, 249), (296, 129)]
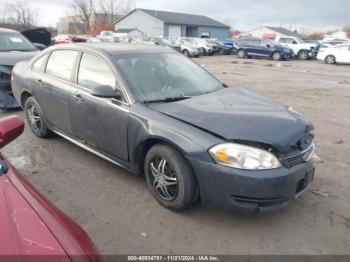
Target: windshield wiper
[(166, 100)]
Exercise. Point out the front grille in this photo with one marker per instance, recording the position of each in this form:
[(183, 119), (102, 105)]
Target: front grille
[(295, 160), (5, 72)]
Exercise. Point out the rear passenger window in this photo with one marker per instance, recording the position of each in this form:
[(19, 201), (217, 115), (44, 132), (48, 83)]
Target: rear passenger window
[(93, 71), (254, 42), (290, 41), (283, 40), (39, 65), (61, 64)]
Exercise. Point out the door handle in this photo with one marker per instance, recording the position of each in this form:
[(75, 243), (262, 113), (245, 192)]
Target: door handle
[(78, 97)]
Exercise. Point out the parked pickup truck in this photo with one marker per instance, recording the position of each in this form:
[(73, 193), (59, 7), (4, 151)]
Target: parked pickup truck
[(301, 49)]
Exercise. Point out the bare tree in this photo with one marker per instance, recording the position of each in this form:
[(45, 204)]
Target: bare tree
[(19, 16), (112, 8), (346, 29), (93, 16), (84, 11)]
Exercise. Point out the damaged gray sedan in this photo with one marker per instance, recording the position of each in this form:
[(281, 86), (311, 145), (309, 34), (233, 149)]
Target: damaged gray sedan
[(14, 47), (155, 112)]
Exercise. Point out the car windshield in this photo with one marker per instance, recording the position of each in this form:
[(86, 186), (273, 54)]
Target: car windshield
[(164, 76), (15, 42), (299, 40)]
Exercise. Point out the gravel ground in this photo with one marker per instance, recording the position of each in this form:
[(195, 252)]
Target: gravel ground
[(120, 215)]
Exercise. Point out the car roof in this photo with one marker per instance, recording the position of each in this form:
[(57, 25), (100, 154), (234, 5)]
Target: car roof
[(343, 44), (113, 49), (5, 30), (249, 38)]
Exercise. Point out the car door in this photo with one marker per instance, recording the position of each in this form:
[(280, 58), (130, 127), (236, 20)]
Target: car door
[(342, 54), (347, 55), (249, 47), (256, 48), (53, 88), (293, 44), (101, 123), (265, 48)]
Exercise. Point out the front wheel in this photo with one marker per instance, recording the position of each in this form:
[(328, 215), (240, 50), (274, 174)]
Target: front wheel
[(303, 55), (276, 56), (35, 118), (186, 53), (170, 178), (330, 59), (241, 53)]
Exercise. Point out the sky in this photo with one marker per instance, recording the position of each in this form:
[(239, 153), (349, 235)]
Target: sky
[(239, 14)]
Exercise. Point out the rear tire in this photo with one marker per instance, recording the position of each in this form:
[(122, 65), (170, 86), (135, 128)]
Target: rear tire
[(35, 118), (241, 53), (330, 59), (303, 55), (170, 178)]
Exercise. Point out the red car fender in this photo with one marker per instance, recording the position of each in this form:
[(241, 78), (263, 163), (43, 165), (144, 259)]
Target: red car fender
[(73, 239)]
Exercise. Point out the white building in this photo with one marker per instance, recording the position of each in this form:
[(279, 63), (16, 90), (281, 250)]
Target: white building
[(129, 33), (339, 35), (271, 32)]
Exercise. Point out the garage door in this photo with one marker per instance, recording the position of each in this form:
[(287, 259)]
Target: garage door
[(174, 31)]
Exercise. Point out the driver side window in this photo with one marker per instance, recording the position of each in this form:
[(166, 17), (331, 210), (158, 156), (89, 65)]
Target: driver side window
[(93, 72)]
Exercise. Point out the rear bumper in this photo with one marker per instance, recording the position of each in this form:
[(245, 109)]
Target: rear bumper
[(261, 190)]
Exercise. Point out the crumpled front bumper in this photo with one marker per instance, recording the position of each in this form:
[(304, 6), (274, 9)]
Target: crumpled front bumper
[(7, 100), (260, 190)]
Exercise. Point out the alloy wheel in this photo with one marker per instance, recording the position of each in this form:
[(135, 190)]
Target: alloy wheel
[(276, 56), (164, 180), (330, 59), (304, 55), (34, 118), (241, 54)]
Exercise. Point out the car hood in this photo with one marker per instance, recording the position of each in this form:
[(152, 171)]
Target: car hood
[(11, 58), (308, 45), (240, 113)]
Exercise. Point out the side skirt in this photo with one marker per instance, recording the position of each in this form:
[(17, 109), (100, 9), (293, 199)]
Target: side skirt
[(91, 150)]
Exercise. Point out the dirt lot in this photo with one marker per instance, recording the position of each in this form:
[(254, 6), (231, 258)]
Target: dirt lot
[(115, 207)]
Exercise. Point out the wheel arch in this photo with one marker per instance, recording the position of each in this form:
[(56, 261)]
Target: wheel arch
[(303, 50), (276, 51), (24, 96), (145, 145)]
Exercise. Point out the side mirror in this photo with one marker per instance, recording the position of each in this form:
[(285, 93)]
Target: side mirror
[(268, 46), (295, 42), (39, 46), (11, 127), (106, 91)]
